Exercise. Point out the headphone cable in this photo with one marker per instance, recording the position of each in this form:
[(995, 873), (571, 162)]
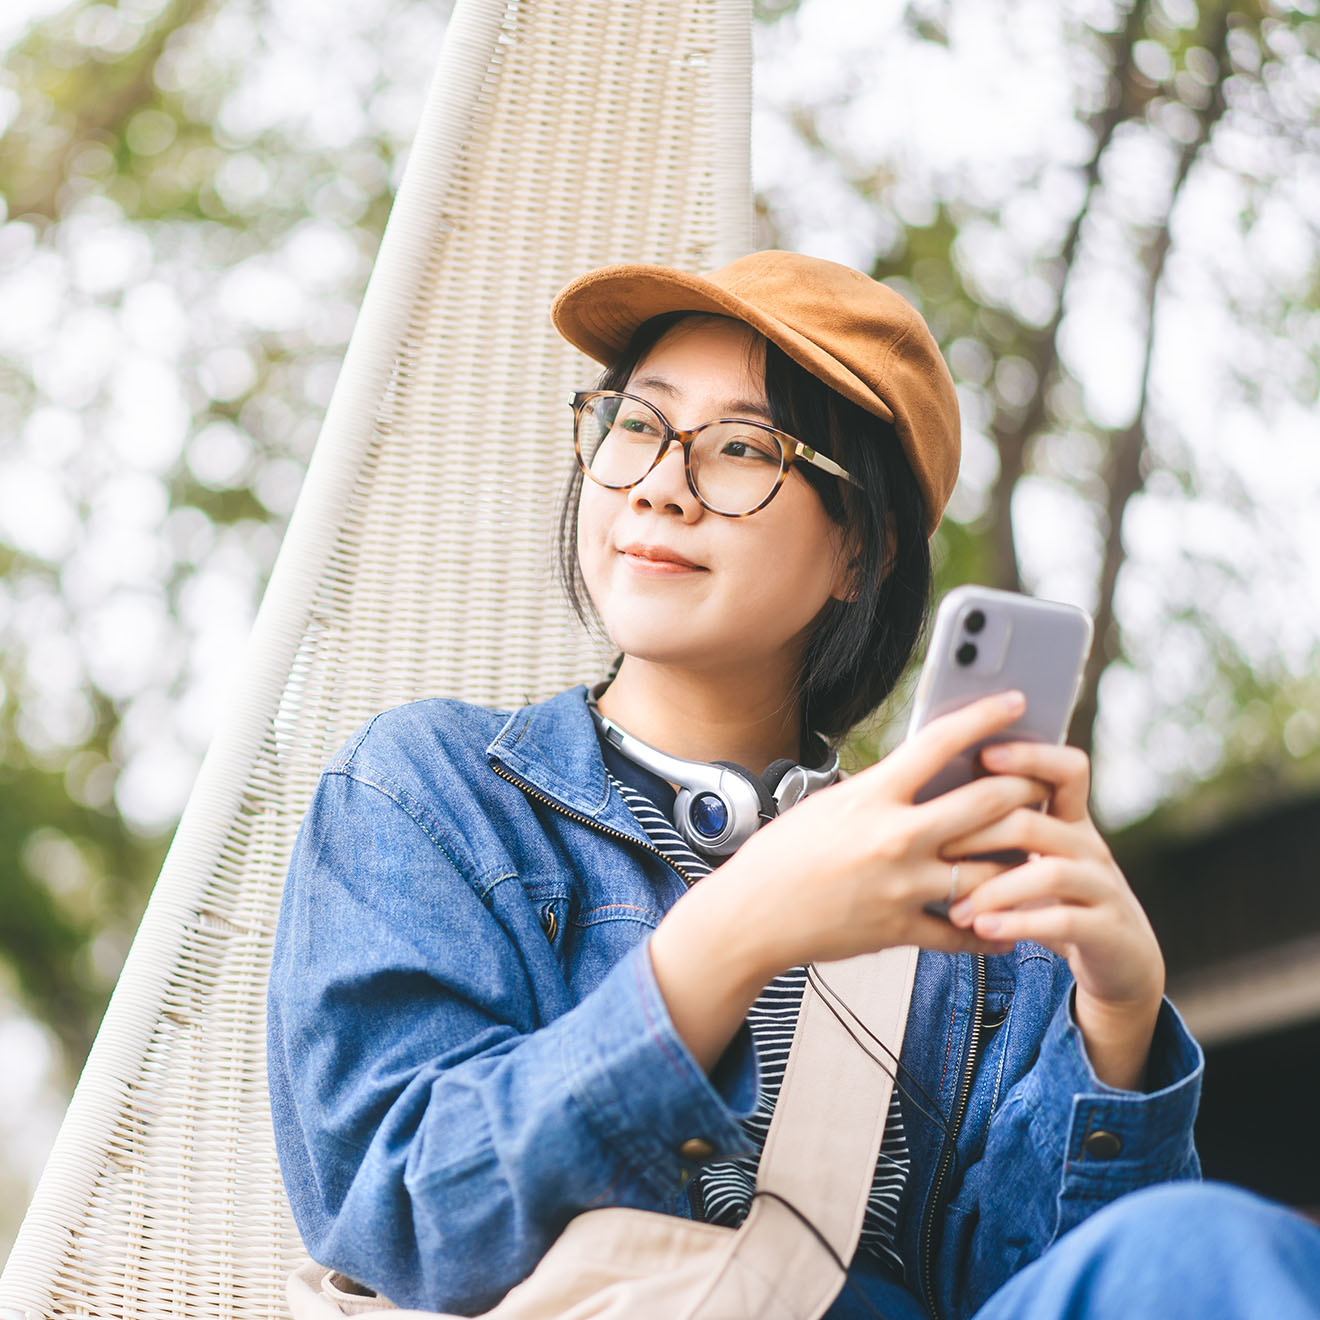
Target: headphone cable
[(830, 997)]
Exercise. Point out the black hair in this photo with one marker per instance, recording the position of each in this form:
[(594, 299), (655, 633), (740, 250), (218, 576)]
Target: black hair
[(859, 647)]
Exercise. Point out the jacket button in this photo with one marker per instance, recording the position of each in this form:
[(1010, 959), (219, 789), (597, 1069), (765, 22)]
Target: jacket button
[(695, 1150), (1102, 1145), (549, 923)]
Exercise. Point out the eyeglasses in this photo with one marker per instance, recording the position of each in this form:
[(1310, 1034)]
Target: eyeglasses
[(733, 467)]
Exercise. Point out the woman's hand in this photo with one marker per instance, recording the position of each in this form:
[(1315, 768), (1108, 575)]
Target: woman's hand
[(849, 870), (1070, 896)]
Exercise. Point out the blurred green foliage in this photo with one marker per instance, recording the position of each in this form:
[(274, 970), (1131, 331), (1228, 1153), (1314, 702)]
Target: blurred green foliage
[(1190, 129), (74, 880), (175, 220)]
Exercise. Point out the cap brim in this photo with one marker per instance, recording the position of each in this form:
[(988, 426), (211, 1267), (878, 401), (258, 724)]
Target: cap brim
[(599, 311)]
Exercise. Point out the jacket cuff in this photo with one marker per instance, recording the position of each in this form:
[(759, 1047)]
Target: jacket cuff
[(644, 1096), (1116, 1141)]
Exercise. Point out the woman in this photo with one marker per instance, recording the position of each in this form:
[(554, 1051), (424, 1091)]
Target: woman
[(507, 990)]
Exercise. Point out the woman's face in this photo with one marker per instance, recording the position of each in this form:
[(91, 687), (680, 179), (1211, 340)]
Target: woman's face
[(675, 584)]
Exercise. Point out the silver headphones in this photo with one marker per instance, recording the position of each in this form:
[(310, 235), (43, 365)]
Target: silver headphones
[(720, 804)]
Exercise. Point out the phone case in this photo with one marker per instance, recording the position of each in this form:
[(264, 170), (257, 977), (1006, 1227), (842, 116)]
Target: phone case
[(1037, 646)]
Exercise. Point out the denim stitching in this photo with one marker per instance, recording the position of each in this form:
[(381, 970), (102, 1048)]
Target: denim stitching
[(397, 794), (346, 753), (592, 917), (635, 1155), (656, 1034), (1005, 1043), (948, 1044)]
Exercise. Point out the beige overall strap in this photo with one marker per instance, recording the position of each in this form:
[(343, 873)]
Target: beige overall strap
[(822, 1147)]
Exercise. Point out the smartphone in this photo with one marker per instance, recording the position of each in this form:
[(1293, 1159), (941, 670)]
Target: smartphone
[(986, 641)]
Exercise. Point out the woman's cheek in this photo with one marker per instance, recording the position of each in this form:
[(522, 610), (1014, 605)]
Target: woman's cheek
[(592, 548)]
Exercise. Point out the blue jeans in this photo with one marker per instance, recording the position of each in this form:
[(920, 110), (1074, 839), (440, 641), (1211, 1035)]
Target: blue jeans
[(1180, 1251)]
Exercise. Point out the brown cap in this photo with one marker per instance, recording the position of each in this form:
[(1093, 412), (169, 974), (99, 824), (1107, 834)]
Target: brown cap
[(858, 336)]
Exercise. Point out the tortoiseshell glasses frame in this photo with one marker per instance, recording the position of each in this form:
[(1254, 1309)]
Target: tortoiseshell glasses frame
[(789, 449)]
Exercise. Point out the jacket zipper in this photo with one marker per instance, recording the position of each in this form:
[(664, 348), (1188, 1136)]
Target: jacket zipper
[(607, 830), (949, 1147)]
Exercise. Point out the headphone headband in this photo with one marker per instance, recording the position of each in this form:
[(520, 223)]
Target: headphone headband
[(720, 805)]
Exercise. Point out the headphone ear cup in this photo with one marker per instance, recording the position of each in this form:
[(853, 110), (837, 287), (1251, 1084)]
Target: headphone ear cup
[(775, 771), (769, 808)]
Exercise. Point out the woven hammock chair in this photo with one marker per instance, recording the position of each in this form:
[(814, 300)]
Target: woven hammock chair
[(417, 563)]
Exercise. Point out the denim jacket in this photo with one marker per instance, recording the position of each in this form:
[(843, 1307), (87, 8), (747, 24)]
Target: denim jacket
[(467, 1045)]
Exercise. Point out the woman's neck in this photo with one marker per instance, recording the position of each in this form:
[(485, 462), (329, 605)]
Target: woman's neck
[(748, 718)]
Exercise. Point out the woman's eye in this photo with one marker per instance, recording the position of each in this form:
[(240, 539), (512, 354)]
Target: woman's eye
[(637, 425), (750, 447)]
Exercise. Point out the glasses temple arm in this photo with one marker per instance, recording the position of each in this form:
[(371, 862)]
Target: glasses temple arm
[(809, 455)]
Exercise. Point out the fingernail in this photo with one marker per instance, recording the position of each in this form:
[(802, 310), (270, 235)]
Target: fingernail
[(960, 912), (988, 926), (1015, 701), (995, 755)]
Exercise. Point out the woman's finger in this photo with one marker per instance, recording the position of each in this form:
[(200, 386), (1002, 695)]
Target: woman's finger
[(917, 761), (1057, 926), (972, 875), (971, 807), (1029, 831), (943, 883), (929, 932), (1038, 881), (1067, 769)]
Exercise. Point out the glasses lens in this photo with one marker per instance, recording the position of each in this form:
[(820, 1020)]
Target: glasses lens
[(735, 465), (618, 439)]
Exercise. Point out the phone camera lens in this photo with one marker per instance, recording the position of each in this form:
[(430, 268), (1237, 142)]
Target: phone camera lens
[(965, 654), (975, 621)]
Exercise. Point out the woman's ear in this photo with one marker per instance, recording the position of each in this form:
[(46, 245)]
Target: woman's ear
[(848, 583), (848, 570)]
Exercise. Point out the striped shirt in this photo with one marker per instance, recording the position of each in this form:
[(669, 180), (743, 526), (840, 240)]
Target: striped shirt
[(725, 1189)]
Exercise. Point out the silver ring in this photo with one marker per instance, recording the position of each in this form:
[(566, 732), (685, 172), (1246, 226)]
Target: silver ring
[(953, 886)]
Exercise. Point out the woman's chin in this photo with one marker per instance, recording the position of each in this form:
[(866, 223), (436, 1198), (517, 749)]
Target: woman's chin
[(655, 646), (662, 636)]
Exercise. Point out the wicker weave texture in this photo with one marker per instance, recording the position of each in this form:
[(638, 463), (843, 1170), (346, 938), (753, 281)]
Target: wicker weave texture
[(559, 134)]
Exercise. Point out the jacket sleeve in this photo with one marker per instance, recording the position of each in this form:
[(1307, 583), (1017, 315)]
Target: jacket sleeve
[(1061, 1144), (434, 1135)]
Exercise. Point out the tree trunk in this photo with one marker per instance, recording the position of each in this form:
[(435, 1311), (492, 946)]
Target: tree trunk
[(1128, 448), (1013, 433)]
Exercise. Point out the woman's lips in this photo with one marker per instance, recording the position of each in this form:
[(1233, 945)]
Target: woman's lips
[(658, 561)]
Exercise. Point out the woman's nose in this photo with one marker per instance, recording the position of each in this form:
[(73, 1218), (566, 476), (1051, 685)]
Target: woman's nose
[(665, 487)]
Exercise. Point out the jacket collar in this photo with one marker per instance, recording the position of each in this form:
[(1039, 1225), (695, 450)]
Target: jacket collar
[(552, 747)]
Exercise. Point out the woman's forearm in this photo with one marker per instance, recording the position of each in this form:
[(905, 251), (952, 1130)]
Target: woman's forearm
[(711, 961)]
